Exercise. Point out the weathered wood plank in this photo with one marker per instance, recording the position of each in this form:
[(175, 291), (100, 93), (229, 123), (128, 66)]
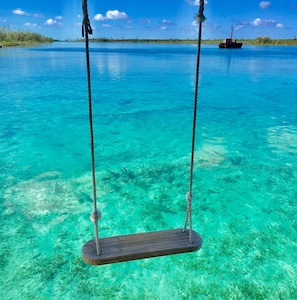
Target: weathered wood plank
[(138, 246)]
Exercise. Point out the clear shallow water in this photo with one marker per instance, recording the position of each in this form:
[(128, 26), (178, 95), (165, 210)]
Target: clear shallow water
[(244, 182)]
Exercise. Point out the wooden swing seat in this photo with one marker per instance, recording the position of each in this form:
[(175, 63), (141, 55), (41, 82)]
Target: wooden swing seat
[(142, 245)]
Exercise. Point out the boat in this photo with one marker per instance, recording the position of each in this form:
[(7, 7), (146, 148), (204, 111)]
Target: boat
[(228, 43)]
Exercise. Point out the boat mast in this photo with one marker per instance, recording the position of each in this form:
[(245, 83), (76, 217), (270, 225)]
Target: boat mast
[(231, 33)]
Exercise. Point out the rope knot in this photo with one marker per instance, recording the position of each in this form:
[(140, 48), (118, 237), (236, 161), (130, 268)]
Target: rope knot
[(200, 16), (189, 197), (95, 216)]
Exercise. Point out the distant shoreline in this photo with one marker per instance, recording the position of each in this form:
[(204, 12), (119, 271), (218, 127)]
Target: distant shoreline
[(15, 38), (8, 44), (260, 41), (255, 42)]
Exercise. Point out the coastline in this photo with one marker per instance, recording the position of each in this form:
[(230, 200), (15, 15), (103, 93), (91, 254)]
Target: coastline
[(254, 42)]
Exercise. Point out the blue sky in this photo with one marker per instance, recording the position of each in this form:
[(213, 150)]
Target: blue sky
[(152, 18)]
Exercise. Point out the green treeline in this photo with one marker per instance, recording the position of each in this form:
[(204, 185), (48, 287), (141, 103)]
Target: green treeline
[(269, 41), (258, 41), (14, 38), (156, 41), (266, 40)]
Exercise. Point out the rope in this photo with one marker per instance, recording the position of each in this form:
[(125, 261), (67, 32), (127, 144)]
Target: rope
[(200, 18), (95, 215)]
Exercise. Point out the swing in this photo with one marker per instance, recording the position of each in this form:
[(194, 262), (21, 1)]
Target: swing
[(149, 244)]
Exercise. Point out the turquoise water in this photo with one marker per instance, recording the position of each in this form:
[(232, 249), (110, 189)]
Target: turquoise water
[(245, 191)]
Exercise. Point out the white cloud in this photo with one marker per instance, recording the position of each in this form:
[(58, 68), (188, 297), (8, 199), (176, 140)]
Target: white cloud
[(238, 27), (116, 15), (52, 22), (260, 22), (256, 22), (99, 17), (111, 15), (280, 25), (264, 4), (30, 24), (194, 23), (20, 12), (59, 18), (168, 22), (106, 26)]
